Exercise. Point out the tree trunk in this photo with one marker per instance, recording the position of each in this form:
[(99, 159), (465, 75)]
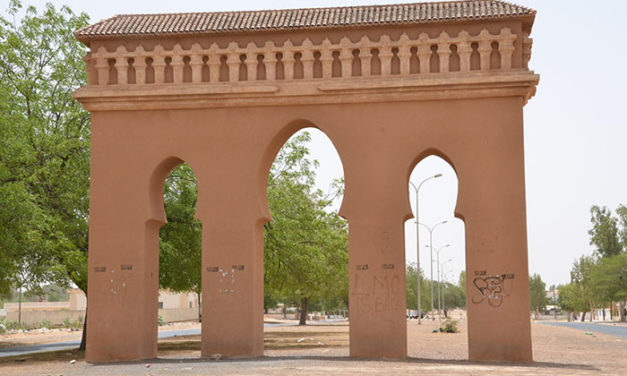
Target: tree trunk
[(303, 311), (583, 316), (83, 345), (570, 314), (611, 304), (19, 310), (621, 311), (199, 308)]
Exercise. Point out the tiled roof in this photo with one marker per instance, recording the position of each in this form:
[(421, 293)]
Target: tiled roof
[(289, 19)]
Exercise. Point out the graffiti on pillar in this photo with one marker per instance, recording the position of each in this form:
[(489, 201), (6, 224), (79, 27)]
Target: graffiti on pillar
[(492, 288), (376, 293), (226, 278)]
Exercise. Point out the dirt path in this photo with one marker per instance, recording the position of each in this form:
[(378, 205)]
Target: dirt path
[(323, 350)]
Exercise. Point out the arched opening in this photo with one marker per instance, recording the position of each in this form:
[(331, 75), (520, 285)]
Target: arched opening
[(180, 255), (306, 249), (442, 255)]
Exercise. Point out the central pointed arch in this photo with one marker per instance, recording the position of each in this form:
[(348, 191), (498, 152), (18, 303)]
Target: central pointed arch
[(306, 265)]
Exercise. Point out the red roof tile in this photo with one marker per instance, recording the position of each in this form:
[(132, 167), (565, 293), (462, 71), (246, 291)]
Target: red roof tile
[(289, 19)]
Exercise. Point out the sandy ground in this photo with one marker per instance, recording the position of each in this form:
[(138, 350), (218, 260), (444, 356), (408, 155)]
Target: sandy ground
[(323, 350)]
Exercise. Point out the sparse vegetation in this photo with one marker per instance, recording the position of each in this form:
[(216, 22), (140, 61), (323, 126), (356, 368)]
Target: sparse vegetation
[(449, 326)]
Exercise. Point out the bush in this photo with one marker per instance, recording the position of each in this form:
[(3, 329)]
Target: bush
[(449, 326), (70, 324), (45, 323), (3, 328), (13, 325), (160, 321)]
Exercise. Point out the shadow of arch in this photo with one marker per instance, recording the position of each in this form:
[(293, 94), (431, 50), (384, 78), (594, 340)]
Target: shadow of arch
[(271, 152)]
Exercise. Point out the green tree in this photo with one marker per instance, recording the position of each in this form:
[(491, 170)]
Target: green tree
[(453, 296), (571, 300), (608, 278), (181, 238), (411, 281), (537, 293), (44, 150), (306, 248), (622, 217), (462, 280), (583, 290), (604, 232)]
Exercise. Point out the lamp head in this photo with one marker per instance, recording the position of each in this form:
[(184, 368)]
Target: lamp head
[(437, 175)]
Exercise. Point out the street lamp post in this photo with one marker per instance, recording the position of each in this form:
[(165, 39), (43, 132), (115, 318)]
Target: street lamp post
[(444, 263), (418, 243), (431, 229), (437, 253)]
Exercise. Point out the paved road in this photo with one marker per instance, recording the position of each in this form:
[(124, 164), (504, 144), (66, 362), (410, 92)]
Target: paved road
[(617, 330), (69, 345)]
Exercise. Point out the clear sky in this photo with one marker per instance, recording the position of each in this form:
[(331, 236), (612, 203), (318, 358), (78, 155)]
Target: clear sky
[(575, 127)]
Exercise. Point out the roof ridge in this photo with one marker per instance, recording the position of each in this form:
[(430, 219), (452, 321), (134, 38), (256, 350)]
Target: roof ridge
[(319, 8), (301, 18)]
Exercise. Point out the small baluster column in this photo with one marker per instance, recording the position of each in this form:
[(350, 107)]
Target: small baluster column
[(424, 55), (195, 62), (140, 69), (232, 61), (121, 66), (269, 60), (346, 59), (102, 67), (214, 67), (526, 50), (251, 65), (177, 68), (366, 61), (288, 64), (326, 58), (485, 49), (404, 55), (158, 64), (385, 55), (308, 61), (464, 50), (444, 54), (506, 48)]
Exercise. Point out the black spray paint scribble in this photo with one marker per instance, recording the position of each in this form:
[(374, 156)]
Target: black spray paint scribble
[(491, 287)]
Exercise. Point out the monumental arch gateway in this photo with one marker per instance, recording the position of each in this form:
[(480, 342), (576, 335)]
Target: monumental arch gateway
[(389, 85)]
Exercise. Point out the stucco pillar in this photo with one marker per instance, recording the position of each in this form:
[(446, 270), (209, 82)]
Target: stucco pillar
[(373, 207), (232, 286), (123, 254), (232, 252), (377, 288), (492, 205)]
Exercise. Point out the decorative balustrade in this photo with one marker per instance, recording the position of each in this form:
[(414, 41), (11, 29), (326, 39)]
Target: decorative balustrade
[(464, 53)]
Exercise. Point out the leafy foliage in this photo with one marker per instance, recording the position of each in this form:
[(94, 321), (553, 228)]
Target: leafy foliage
[(44, 150), (411, 280), (306, 247), (306, 251), (180, 253), (604, 232), (537, 293)]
